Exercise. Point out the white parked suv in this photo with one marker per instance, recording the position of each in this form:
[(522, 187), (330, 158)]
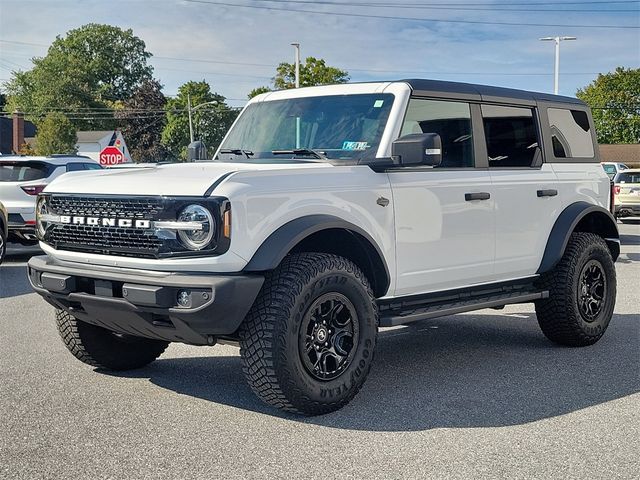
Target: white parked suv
[(329, 212), (22, 178)]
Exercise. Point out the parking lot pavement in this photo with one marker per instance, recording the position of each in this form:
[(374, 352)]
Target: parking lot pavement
[(473, 395)]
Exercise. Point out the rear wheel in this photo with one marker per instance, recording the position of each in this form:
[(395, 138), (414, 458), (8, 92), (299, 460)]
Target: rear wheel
[(307, 344), (582, 293), (103, 348)]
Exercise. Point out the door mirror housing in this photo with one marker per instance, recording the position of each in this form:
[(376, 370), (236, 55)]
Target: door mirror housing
[(418, 149)]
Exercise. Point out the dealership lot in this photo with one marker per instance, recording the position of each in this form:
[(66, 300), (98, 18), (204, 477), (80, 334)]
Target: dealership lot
[(480, 394)]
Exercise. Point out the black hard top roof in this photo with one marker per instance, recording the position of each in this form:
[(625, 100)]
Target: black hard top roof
[(469, 91)]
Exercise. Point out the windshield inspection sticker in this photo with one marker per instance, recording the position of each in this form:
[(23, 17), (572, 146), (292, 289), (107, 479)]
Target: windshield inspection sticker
[(378, 103), (355, 145)]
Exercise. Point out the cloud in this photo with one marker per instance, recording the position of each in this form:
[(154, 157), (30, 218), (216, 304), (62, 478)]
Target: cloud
[(370, 49)]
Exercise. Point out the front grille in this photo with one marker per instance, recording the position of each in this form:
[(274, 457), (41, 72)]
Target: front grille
[(146, 208), (106, 239)]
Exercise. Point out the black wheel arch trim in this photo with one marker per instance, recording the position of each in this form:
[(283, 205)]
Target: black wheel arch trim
[(566, 224), (285, 238)]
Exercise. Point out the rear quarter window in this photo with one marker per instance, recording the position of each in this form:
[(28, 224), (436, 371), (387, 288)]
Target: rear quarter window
[(570, 133)]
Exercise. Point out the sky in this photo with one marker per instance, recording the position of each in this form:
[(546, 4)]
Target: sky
[(235, 47)]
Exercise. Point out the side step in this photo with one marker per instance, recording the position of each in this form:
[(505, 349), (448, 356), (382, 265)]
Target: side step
[(398, 312)]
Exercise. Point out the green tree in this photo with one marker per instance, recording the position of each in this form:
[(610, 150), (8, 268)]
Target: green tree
[(212, 117), (56, 134), (257, 91), (313, 71), (87, 71), (615, 102), (141, 120)]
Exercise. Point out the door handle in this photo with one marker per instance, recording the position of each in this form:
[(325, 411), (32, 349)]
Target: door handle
[(476, 196), (551, 192)]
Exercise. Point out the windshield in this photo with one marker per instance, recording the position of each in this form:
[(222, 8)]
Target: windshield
[(341, 127), (23, 171)]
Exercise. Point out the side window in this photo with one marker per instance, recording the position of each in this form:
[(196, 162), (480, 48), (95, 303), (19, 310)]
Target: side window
[(512, 139), (75, 167), (450, 120), (570, 133), (92, 166)]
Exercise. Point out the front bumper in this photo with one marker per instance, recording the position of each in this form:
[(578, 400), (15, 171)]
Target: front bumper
[(144, 303)]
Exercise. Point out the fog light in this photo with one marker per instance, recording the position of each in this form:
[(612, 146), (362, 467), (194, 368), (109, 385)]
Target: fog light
[(184, 298)]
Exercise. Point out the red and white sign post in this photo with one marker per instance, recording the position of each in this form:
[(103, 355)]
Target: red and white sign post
[(111, 156)]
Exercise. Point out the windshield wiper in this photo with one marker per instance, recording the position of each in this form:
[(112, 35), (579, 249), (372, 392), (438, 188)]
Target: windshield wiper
[(236, 151), (301, 151)]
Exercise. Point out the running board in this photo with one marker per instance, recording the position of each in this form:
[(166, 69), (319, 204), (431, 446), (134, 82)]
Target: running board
[(398, 314)]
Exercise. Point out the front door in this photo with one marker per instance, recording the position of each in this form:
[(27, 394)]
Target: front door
[(445, 232)]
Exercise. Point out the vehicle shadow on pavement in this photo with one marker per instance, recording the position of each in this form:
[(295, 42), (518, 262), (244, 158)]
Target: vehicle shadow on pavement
[(13, 272), (457, 372)]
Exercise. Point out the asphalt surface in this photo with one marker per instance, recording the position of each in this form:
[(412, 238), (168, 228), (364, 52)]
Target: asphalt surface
[(480, 395)]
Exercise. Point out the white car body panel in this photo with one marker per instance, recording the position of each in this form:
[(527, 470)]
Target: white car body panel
[(442, 240), (262, 200), (522, 217)]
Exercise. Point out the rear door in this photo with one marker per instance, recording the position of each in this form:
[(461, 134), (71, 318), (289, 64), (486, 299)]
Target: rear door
[(444, 216), (526, 189)]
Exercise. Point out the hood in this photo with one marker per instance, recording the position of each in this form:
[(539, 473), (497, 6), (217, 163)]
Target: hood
[(178, 179)]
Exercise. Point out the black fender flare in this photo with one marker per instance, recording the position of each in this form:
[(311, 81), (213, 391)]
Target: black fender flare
[(285, 238), (566, 224)]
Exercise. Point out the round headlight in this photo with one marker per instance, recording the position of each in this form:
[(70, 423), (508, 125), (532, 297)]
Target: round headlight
[(197, 239), (41, 209)]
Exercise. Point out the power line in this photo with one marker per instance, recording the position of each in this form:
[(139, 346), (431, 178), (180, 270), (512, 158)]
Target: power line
[(410, 19), (556, 3), (493, 7)]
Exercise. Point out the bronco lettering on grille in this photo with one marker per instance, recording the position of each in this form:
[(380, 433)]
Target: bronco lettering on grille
[(105, 222)]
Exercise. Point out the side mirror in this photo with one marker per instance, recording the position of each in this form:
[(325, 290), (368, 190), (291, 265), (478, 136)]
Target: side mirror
[(418, 149), (196, 151)]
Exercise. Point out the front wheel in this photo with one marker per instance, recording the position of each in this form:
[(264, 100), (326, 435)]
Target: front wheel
[(582, 293), (308, 342), (102, 348)]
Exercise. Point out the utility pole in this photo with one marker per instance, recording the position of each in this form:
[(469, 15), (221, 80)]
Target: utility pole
[(297, 47), (556, 70), (191, 109), (190, 120)]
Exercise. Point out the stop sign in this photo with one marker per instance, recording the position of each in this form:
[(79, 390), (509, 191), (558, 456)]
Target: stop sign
[(111, 156)]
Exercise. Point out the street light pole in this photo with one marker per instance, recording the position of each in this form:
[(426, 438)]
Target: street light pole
[(190, 120), (297, 47), (556, 70), (191, 109)]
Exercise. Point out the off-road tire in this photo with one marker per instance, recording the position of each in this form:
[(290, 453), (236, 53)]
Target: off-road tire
[(560, 316), (104, 349), (272, 357)]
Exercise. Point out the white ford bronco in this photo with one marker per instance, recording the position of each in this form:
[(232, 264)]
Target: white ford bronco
[(326, 213)]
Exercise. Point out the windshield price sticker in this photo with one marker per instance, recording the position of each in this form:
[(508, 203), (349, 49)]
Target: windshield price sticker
[(355, 145)]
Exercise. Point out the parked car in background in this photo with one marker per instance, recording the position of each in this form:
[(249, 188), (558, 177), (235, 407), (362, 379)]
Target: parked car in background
[(627, 194), (22, 178), (3, 232), (613, 168)]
